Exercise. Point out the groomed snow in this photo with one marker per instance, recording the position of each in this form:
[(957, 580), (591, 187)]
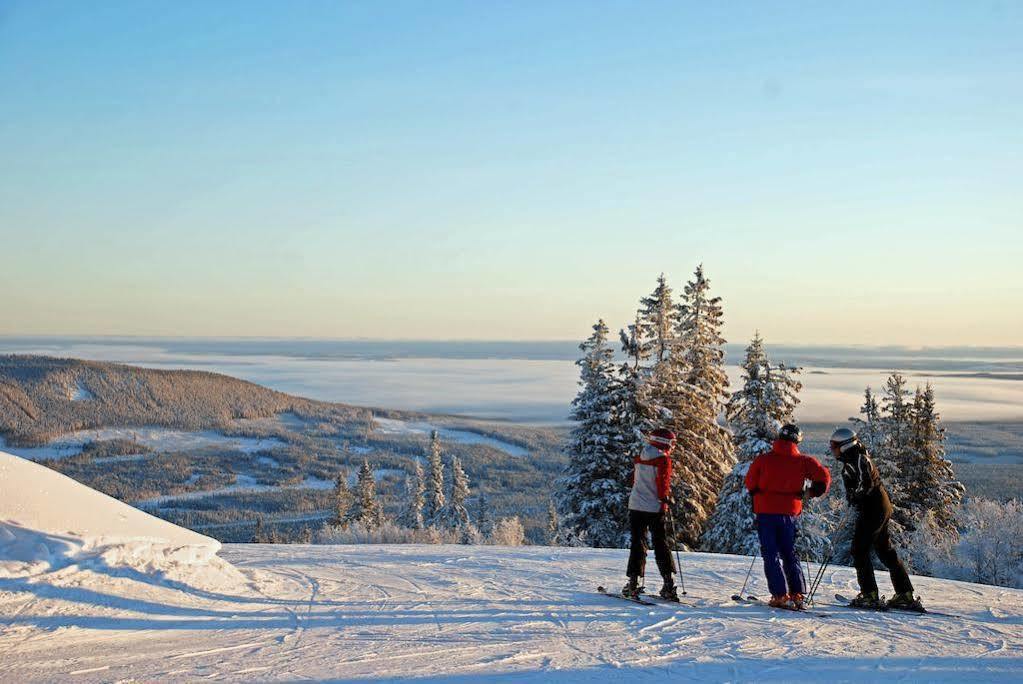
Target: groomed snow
[(49, 521), (469, 614)]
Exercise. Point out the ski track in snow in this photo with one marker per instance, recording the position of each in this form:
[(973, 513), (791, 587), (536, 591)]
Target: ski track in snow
[(465, 614)]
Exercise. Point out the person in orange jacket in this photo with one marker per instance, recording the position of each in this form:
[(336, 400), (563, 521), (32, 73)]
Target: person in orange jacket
[(778, 481)]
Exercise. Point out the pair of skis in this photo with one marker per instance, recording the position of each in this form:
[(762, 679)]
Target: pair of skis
[(792, 609), (642, 599), (884, 608)]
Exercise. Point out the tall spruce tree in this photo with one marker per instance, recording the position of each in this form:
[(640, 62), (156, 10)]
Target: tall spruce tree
[(594, 502), (415, 487), (767, 400), (365, 508), (705, 454), (456, 514), (552, 536), (435, 501), (484, 516), (868, 426), (342, 502), (895, 454), (932, 491)]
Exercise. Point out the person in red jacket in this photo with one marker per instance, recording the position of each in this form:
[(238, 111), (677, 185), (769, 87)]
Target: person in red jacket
[(778, 481), (648, 504)]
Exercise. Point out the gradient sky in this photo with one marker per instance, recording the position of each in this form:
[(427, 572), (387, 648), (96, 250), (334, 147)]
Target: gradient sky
[(511, 170)]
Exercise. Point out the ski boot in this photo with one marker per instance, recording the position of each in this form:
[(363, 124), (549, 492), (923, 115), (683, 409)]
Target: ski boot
[(797, 600), (669, 592), (632, 589), (906, 601), (868, 600), (781, 601)]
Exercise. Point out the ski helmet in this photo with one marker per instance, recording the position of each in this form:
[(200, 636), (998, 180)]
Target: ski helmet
[(662, 437), (790, 433), (843, 438)]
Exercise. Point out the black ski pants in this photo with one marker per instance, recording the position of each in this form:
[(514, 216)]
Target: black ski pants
[(872, 533), (639, 523)]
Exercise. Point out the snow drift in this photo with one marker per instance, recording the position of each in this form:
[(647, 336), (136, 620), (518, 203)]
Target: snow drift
[(49, 521)]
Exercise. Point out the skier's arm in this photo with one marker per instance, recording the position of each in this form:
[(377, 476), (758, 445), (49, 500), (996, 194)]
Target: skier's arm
[(753, 476), (819, 476), (859, 478), (664, 480)]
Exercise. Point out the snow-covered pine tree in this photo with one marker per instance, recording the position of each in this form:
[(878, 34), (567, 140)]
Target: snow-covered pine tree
[(365, 508), (751, 417), (484, 516), (594, 490), (435, 501), (456, 515), (869, 427), (767, 400), (658, 321), (705, 454), (932, 492), (259, 533), (553, 526), (895, 455), (342, 502), (412, 515)]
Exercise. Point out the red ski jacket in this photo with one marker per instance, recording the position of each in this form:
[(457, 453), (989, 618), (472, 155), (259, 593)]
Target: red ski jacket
[(775, 479)]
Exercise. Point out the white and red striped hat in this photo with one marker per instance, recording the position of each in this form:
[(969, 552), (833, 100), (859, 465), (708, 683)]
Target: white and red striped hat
[(661, 437)]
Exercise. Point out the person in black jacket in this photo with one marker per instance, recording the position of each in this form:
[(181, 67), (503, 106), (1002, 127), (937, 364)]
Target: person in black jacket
[(865, 492)]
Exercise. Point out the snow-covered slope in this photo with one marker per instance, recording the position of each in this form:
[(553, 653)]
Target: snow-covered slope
[(48, 521), (468, 614)]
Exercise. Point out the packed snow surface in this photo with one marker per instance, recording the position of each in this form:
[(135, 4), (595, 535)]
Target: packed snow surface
[(49, 521), (468, 614)]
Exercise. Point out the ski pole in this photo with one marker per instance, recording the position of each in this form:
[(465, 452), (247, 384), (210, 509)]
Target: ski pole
[(738, 597), (827, 559), (678, 558)]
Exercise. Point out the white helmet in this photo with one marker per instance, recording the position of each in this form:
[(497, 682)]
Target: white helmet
[(844, 438)]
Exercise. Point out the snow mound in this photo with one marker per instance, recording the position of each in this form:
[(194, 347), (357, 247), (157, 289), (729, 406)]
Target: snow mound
[(49, 522)]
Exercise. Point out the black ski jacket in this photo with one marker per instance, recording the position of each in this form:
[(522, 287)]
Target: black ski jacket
[(863, 488)]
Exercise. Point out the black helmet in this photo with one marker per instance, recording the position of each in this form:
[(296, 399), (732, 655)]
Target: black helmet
[(791, 433)]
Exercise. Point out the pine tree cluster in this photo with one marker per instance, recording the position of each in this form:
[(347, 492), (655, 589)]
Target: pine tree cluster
[(904, 435), (672, 376)]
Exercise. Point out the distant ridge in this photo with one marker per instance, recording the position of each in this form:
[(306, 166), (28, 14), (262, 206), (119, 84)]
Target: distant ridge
[(42, 398)]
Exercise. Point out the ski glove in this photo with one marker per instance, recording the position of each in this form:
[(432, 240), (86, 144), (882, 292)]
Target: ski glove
[(817, 488)]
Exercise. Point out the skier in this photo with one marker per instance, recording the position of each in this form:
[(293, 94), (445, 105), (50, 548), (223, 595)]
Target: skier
[(865, 492), (779, 480), (648, 504)]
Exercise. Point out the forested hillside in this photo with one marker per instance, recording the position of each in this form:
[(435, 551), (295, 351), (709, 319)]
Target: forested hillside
[(42, 398)]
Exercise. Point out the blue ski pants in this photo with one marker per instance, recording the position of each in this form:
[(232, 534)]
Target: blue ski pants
[(778, 547)]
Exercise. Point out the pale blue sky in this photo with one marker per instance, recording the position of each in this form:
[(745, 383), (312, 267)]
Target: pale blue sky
[(510, 170)]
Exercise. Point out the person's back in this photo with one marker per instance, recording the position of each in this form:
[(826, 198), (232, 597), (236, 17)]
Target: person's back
[(777, 479)]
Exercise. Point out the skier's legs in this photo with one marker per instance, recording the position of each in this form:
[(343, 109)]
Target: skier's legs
[(637, 550), (787, 551), (888, 555), (862, 542), (661, 551), (767, 530)]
